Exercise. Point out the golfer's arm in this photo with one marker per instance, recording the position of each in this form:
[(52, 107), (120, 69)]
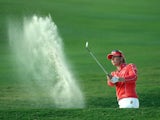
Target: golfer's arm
[(131, 76)]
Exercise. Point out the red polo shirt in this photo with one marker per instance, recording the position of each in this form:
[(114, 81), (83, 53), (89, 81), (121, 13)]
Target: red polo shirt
[(128, 87)]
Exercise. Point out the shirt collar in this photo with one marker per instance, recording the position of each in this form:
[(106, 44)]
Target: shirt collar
[(122, 66)]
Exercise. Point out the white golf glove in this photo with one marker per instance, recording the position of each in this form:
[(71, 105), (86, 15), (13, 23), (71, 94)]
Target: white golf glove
[(114, 79)]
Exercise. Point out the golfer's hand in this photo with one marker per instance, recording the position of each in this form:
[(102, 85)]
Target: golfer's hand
[(117, 79), (109, 77), (114, 79)]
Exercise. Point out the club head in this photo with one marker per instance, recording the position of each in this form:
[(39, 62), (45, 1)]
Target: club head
[(86, 44)]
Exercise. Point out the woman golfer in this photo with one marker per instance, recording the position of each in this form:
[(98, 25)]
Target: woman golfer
[(124, 79)]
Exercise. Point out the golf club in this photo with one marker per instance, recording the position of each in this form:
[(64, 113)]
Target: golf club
[(94, 57)]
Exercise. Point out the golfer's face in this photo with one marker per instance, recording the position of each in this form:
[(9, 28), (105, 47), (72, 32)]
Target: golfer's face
[(116, 61)]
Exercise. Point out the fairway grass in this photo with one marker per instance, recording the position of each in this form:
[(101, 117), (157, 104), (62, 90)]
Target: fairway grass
[(81, 114), (131, 26)]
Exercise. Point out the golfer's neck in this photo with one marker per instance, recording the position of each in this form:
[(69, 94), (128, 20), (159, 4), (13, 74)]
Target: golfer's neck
[(119, 67)]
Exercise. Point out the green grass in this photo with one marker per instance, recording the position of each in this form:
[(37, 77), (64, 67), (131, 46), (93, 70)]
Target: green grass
[(132, 26), (80, 114)]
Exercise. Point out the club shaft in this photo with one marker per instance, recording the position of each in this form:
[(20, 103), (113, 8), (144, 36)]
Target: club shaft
[(94, 57)]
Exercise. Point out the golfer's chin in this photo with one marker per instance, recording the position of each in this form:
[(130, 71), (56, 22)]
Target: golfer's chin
[(115, 64)]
